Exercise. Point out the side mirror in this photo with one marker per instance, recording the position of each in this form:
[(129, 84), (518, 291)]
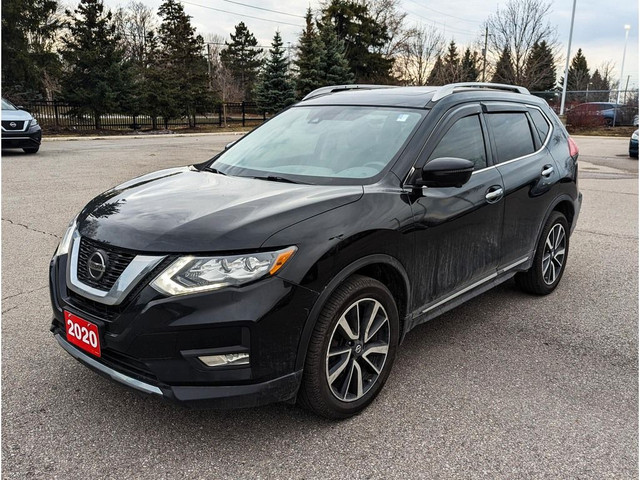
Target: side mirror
[(229, 145), (446, 172)]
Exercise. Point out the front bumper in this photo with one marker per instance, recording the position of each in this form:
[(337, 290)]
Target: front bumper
[(151, 343), (232, 396), (29, 139)]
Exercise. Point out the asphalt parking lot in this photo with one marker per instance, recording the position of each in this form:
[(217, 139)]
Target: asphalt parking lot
[(505, 386)]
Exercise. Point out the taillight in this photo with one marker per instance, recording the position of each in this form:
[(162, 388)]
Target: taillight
[(573, 148)]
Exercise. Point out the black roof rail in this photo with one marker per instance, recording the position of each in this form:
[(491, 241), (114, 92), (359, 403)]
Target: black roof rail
[(339, 88), (452, 87)]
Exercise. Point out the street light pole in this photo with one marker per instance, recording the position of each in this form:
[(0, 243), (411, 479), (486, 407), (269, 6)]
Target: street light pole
[(624, 54), (566, 65)]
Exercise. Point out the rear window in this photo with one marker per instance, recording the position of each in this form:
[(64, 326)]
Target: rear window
[(512, 135), (541, 124)]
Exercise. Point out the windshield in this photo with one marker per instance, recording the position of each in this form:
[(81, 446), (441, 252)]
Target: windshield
[(322, 144), (7, 105)]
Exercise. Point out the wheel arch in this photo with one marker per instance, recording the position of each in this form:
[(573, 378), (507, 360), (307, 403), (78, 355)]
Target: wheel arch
[(382, 267)]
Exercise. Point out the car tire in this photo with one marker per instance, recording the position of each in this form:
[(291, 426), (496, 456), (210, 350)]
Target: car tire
[(346, 364), (31, 149), (550, 258)]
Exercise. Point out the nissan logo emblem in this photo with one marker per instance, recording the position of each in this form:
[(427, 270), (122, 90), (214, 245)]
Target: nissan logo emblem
[(97, 264), (13, 124)]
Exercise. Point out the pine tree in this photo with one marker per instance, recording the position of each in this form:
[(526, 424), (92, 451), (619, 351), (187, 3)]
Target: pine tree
[(96, 79), (540, 69), (275, 91), (308, 63), (30, 67), (242, 58), (334, 66), (182, 64), (451, 65), (437, 75), (361, 36), (469, 67), (578, 78), (504, 69), (600, 86)]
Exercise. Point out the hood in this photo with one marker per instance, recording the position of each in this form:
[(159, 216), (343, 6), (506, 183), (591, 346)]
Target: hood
[(183, 210), (19, 115)]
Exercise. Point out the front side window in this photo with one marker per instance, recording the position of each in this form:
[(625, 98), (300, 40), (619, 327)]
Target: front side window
[(463, 140), (512, 135), (322, 144)]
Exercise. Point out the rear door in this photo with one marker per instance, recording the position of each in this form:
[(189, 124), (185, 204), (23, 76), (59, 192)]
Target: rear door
[(519, 136), (457, 230)]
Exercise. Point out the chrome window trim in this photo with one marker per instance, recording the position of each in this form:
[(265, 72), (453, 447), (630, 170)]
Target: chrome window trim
[(544, 144), (114, 374), (474, 285), (140, 266)]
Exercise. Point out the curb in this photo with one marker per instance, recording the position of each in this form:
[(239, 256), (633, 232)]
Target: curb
[(136, 137)]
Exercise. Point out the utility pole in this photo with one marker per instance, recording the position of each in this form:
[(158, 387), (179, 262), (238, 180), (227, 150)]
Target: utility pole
[(484, 52), (209, 66), (566, 65), (624, 54)]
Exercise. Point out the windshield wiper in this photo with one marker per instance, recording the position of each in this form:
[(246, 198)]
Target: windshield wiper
[(274, 178), (214, 170)]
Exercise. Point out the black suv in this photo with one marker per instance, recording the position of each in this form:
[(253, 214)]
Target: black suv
[(292, 264)]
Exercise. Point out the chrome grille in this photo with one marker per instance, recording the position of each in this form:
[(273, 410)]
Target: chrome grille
[(13, 125), (118, 260)]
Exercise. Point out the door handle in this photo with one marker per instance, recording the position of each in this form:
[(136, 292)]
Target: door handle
[(494, 194), (547, 170)]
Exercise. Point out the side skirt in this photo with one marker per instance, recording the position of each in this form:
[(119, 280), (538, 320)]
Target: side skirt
[(437, 308)]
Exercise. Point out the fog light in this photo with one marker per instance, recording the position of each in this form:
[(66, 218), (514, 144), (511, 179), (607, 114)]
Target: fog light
[(228, 359)]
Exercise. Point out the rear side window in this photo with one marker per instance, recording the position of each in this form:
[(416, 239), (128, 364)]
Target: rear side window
[(512, 135), (541, 124), (463, 140)]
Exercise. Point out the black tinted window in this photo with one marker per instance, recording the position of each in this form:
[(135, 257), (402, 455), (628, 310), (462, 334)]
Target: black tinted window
[(512, 135), (463, 140), (540, 123)]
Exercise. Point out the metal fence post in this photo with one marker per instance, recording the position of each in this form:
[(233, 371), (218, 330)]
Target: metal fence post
[(220, 115), (243, 114), (57, 115)]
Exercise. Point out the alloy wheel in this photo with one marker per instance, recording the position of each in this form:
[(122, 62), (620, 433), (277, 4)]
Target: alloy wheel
[(554, 254), (357, 350)]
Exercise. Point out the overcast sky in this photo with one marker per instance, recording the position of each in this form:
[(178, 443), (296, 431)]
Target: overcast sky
[(598, 30)]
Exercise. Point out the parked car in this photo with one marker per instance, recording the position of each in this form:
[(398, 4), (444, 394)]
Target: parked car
[(633, 145), (19, 128), (292, 264), (600, 113)]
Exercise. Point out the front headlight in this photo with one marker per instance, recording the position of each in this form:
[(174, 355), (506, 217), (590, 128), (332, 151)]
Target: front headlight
[(200, 274), (33, 123), (65, 243), (635, 135)]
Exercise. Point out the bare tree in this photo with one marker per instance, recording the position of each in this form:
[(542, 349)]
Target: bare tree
[(518, 26), (221, 80), (389, 13), (134, 22), (417, 53)]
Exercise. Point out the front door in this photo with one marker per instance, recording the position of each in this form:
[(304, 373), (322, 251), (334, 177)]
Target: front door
[(458, 230)]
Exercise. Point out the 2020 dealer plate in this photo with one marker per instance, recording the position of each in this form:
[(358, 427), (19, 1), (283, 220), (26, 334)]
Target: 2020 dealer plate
[(82, 334)]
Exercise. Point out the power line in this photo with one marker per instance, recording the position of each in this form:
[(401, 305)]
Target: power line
[(447, 27), (264, 9), (445, 14), (240, 14)]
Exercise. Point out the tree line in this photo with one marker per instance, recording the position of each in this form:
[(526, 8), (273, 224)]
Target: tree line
[(142, 62)]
